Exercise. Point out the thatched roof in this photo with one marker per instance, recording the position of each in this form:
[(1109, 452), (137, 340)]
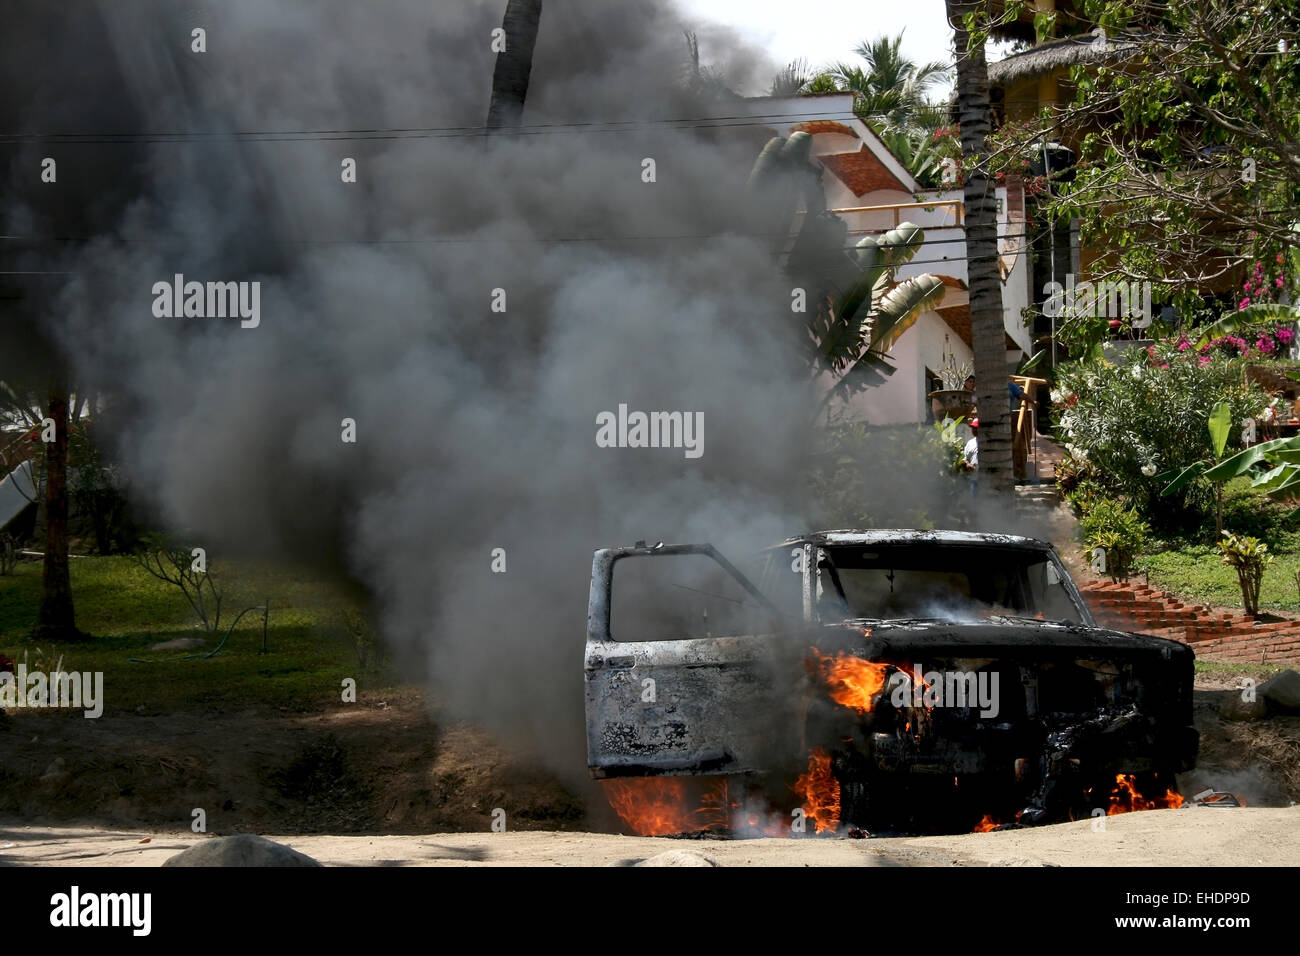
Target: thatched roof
[(1048, 57), (1044, 59)]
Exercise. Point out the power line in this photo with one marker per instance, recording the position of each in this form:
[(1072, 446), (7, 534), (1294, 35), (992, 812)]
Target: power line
[(671, 237), (429, 132), (441, 132), (468, 240), (911, 262)]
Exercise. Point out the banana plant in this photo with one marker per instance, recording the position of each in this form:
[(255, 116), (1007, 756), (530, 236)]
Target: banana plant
[(859, 318), (877, 308), (1275, 466), (1219, 424)]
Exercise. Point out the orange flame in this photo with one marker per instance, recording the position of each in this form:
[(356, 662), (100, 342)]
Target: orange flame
[(985, 825), (669, 806), (853, 681), (658, 806), (820, 792), (1126, 799)]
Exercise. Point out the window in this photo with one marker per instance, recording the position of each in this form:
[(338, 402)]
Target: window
[(675, 597), (939, 581)]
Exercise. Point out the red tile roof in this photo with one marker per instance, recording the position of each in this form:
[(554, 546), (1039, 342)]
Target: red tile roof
[(813, 127), (862, 172)]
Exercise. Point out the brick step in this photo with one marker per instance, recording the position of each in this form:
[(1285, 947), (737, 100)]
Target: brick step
[(1215, 634)]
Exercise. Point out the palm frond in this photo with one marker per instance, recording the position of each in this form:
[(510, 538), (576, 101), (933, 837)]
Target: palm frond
[(1250, 315), (901, 306)]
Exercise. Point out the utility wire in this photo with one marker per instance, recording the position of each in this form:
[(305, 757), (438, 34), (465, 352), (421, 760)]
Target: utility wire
[(440, 132), (701, 122), (470, 240)]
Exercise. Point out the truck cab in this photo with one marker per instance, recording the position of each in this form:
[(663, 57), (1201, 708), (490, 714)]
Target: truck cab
[(916, 664)]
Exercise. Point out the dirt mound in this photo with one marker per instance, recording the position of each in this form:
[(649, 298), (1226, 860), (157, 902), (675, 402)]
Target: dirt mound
[(382, 766), (244, 849)]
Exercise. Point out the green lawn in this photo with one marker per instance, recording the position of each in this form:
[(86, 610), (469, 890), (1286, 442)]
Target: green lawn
[(1192, 567), (1198, 572), (1260, 672), (310, 651)]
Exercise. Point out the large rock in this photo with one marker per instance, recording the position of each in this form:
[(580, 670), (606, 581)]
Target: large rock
[(1233, 707), (1282, 691), (243, 849)]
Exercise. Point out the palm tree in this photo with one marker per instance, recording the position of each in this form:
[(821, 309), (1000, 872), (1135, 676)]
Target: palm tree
[(514, 64), (889, 94), (987, 329), (792, 80), (707, 83), (919, 151), (24, 410), (55, 619), (892, 90)]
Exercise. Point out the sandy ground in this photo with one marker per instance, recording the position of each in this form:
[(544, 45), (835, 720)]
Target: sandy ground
[(1193, 836)]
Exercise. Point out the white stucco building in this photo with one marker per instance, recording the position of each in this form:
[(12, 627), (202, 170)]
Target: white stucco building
[(872, 192)]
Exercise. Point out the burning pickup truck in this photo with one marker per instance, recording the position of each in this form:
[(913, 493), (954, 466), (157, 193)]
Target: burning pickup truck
[(903, 680)]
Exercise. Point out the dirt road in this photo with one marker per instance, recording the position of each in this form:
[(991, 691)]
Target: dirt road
[(1194, 836)]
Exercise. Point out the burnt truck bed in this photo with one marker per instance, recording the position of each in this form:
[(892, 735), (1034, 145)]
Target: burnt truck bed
[(921, 666)]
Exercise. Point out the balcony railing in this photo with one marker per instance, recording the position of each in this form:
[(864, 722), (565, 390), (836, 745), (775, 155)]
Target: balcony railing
[(956, 205)]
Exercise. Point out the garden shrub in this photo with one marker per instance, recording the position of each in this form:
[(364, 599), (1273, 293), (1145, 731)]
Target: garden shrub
[(1119, 531), (1135, 420), (1083, 497), (1249, 556)]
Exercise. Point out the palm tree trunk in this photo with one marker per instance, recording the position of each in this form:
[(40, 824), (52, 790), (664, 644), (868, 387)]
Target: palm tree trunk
[(987, 330), (514, 64), (55, 619)]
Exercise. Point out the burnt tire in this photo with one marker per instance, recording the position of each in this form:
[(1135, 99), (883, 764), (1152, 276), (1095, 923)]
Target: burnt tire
[(855, 803)]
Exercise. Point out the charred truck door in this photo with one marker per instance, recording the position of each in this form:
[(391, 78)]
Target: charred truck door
[(683, 666)]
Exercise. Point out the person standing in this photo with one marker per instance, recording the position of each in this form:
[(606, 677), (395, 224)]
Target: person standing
[(970, 454)]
